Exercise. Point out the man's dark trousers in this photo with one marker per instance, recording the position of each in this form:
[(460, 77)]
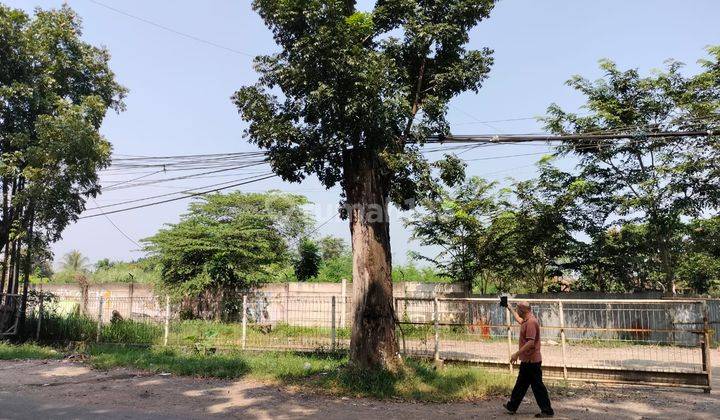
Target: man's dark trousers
[(530, 375)]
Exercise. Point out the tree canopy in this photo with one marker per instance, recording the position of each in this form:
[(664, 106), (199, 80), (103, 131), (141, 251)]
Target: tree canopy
[(459, 223), (654, 180), (55, 91), (228, 242), (359, 80)]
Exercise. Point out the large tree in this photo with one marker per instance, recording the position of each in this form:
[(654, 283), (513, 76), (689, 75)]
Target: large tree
[(344, 99), (653, 180), (55, 90)]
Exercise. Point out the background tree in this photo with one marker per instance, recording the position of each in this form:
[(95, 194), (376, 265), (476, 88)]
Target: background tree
[(54, 93), (74, 262), (618, 260), (655, 181), (307, 263), (699, 265), (104, 264), (331, 247), (459, 222), (228, 243), (342, 99), (544, 218)]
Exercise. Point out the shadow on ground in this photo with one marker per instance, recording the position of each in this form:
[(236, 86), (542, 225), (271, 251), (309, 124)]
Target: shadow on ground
[(63, 389)]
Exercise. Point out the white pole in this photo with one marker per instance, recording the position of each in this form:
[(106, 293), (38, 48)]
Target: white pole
[(287, 303), (436, 319), (509, 336), (244, 321), (343, 299), (40, 316), (332, 321), (562, 338), (167, 320), (99, 322)]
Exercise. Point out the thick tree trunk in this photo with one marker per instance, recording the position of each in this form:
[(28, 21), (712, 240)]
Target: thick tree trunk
[(6, 267), (16, 267), (373, 343), (5, 229), (668, 269)]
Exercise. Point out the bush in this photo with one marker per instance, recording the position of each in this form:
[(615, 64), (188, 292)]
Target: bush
[(56, 328)]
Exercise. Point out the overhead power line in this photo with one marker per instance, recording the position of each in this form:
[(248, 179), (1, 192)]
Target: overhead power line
[(171, 30), (191, 176), (177, 198), (189, 190), (118, 228), (504, 139)]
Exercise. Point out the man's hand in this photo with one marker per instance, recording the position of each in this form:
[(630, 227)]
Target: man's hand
[(514, 357)]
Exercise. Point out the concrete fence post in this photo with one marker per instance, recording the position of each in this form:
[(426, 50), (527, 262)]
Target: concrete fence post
[(287, 303), (562, 338), (99, 320), (343, 300), (166, 334), (131, 298), (333, 333), (509, 336), (436, 326), (244, 322)]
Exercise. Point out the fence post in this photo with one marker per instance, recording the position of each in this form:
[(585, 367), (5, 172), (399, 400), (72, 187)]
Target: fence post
[(40, 317), (244, 321), (343, 300), (707, 365), (84, 297), (509, 337), (436, 322), (562, 338), (99, 322), (287, 303), (167, 320), (706, 320), (332, 324), (399, 325)]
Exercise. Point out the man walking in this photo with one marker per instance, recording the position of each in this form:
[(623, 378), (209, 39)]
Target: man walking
[(530, 363)]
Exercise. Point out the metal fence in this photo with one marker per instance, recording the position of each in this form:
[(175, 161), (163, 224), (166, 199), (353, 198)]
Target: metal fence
[(649, 341), (10, 308)]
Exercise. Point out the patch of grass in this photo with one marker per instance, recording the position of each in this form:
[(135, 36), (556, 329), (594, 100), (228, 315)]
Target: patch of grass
[(167, 360), (27, 351), (418, 381), (325, 374), (219, 365), (131, 332), (57, 328)]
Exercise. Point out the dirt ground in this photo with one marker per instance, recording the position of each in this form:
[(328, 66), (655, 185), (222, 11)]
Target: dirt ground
[(63, 389)]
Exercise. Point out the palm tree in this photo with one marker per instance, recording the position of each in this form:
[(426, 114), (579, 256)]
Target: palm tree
[(75, 262)]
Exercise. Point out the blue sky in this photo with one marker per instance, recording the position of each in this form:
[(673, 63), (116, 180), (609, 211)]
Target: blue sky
[(179, 101)]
